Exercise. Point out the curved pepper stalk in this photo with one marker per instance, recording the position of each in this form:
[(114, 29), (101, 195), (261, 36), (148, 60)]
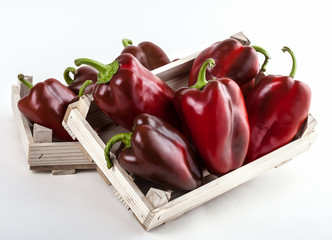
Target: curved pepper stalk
[(127, 42), (266, 55), (80, 75), (201, 79), (106, 71), (121, 137), (294, 66), (24, 81), (83, 87), (66, 74)]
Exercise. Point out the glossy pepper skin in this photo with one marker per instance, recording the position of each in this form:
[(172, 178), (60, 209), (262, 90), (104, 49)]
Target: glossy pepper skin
[(157, 151), (215, 119), (125, 88), (46, 105), (81, 75), (277, 107), (233, 60), (148, 54)]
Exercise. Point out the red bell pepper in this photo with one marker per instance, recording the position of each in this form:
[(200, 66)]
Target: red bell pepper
[(157, 151), (148, 54), (214, 117), (46, 105), (80, 76), (277, 107), (233, 60), (125, 88)]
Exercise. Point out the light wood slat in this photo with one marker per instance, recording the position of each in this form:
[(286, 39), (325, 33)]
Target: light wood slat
[(58, 153), (176, 68), (41, 134), (21, 122), (62, 167), (178, 82), (63, 172), (51, 161), (116, 175)]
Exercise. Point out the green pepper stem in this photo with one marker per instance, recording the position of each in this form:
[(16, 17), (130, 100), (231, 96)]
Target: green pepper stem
[(106, 71), (201, 79), (24, 81), (294, 67), (83, 87), (121, 137), (66, 75), (127, 42), (93, 63), (266, 55)]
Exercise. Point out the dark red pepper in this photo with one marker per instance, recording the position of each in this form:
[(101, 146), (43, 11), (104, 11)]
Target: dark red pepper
[(157, 151), (148, 54), (46, 105), (277, 107), (233, 60), (80, 76), (214, 116), (125, 89)]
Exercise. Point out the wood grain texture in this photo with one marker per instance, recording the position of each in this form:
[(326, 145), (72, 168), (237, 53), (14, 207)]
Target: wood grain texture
[(41, 134), (22, 123), (118, 177)]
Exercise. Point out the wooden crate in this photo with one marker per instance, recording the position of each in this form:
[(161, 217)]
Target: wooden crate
[(43, 153), (151, 205)]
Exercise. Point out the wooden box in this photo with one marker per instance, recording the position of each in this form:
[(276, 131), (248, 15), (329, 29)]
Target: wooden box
[(43, 153), (151, 205)]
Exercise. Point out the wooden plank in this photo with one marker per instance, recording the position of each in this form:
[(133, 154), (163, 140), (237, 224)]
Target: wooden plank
[(41, 134), (176, 68), (118, 195), (57, 153), (21, 122), (63, 172), (62, 167), (241, 38), (121, 181), (108, 183), (158, 197), (178, 82), (83, 104)]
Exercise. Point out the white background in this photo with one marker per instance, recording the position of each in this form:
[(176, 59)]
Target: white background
[(42, 38)]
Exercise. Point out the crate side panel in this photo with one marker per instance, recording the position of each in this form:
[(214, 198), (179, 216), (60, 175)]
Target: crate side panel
[(57, 153), (116, 175), (63, 167), (176, 68), (21, 122)]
